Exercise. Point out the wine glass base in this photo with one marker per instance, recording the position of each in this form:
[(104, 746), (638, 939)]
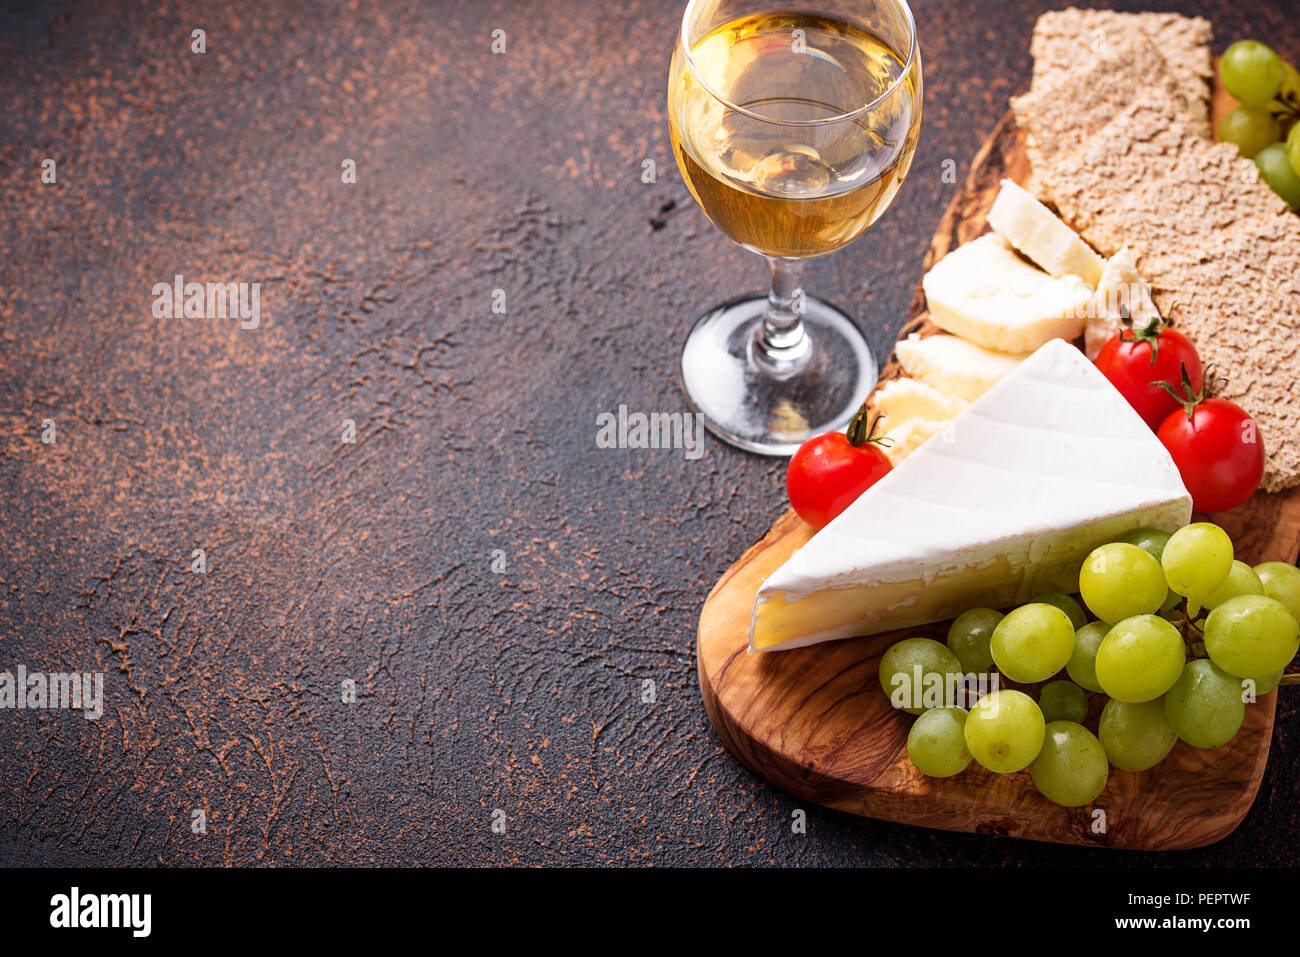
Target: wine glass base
[(753, 405)]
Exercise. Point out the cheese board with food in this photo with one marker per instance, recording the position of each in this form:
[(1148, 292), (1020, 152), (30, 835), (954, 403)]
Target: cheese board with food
[(1044, 584)]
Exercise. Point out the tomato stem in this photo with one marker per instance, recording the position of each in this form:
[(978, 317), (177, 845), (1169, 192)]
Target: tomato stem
[(1187, 395), (1150, 334), (860, 432)]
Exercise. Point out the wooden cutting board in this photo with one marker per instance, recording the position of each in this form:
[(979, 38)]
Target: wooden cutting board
[(814, 722)]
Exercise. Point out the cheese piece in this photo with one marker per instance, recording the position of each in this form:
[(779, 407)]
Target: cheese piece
[(984, 292), (906, 437), (1121, 292), (954, 366), (903, 399), (1050, 463), (1037, 232)]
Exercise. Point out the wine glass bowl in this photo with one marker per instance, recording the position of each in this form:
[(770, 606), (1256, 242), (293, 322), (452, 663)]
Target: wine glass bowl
[(793, 129)]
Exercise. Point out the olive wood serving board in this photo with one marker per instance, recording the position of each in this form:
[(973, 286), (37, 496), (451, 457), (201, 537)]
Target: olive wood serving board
[(815, 723)]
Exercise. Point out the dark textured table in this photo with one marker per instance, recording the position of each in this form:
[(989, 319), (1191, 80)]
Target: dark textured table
[(499, 588)]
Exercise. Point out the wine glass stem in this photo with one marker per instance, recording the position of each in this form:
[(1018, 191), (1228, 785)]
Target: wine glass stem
[(782, 341)]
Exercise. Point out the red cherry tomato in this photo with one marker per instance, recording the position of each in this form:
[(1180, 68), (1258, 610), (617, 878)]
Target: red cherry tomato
[(1218, 450), (829, 472), (1127, 360)]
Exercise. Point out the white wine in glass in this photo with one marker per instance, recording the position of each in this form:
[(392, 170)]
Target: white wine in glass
[(794, 130)]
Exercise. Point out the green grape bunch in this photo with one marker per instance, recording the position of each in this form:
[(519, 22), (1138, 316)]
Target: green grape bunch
[(1168, 638), (1264, 127)]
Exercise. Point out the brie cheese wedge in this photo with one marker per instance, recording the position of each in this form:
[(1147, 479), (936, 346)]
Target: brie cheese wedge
[(954, 366), (984, 292), (1002, 505), (1037, 232)]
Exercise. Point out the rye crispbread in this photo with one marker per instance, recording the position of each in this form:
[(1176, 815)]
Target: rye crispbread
[(1064, 109), (1064, 39)]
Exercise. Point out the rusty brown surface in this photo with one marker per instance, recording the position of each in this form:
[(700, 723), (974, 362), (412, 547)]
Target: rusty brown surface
[(519, 690)]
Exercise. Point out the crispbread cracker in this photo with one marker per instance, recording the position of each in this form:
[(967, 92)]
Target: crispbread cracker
[(1063, 39), (1101, 186), (1064, 109)]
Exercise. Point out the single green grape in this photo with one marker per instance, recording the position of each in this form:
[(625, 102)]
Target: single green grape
[(1059, 599), (1082, 666), (1205, 706), (1293, 147), (1281, 581), (1241, 580), (1275, 166), (1140, 658), (1071, 769), (1251, 636), (1004, 731), (1266, 684), (1136, 735), (1063, 701), (1120, 580), (1250, 129), (935, 685), (1150, 540), (1290, 86), (1032, 643), (968, 637), (1196, 560), (1153, 541), (937, 742), (1252, 72)]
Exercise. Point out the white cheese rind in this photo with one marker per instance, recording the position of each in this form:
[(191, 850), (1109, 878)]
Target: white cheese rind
[(1040, 234), (1004, 504), (984, 292)]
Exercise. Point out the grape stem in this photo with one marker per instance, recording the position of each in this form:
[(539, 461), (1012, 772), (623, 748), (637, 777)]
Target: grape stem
[(1187, 628), (1289, 679), (1291, 104)]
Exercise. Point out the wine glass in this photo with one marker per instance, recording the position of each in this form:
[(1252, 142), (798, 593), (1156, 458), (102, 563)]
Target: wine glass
[(794, 128)]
